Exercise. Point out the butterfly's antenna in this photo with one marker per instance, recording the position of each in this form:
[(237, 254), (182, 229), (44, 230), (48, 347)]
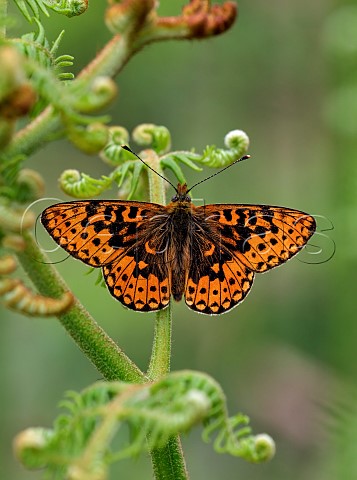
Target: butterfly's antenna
[(157, 173), (245, 157)]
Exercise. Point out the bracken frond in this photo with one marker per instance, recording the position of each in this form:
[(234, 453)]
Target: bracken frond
[(81, 439)]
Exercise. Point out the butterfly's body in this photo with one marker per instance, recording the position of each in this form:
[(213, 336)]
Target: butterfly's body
[(208, 254), (179, 223)]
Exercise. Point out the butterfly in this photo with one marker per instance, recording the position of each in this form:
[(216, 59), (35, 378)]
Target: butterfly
[(209, 254)]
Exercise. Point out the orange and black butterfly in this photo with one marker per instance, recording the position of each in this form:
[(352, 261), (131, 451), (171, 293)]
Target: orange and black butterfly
[(209, 254)]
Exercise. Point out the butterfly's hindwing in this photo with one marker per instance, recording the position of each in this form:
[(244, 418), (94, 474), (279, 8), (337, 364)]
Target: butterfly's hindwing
[(140, 279), (217, 281), (138, 285)]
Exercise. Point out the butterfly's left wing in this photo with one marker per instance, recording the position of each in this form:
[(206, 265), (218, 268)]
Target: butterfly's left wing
[(98, 232), (260, 236), (140, 279), (126, 239)]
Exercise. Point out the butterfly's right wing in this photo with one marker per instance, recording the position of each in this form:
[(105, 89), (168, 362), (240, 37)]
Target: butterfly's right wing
[(260, 236), (232, 242), (217, 280)]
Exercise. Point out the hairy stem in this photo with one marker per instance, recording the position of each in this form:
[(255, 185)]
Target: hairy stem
[(3, 14), (168, 462), (161, 351), (107, 357), (109, 61), (35, 134)]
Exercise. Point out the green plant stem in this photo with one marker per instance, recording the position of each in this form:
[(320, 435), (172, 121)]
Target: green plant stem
[(3, 15), (35, 134), (107, 357), (168, 462), (161, 351), (109, 61)]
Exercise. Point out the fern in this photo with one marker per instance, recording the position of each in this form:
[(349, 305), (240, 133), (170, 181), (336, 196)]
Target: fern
[(36, 6), (36, 47), (70, 8), (81, 438)]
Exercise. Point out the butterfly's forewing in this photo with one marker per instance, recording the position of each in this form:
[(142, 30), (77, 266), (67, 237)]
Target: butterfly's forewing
[(96, 231), (260, 236), (125, 238)]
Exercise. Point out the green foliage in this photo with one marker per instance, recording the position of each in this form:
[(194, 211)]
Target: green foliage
[(341, 425), (35, 6), (156, 137), (81, 438), (130, 169), (70, 8), (37, 48)]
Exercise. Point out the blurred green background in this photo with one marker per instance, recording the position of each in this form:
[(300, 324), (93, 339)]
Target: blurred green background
[(286, 73)]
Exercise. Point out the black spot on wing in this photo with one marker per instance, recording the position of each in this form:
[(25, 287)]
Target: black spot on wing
[(227, 212), (99, 226), (115, 241), (133, 212)]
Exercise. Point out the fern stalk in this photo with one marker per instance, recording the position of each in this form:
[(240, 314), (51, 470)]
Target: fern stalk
[(168, 462), (109, 61), (161, 351), (3, 14)]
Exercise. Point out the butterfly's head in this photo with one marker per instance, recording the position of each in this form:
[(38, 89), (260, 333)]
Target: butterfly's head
[(181, 194)]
